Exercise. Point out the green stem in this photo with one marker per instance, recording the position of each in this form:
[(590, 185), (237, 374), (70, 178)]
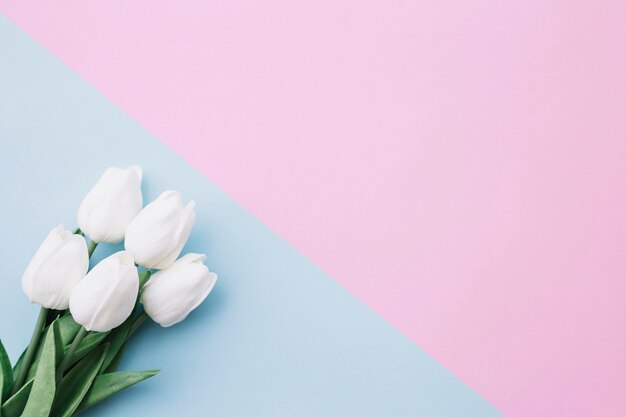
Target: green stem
[(92, 247), (137, 322), (141, 317), (70, 353), (30, 351), (143, 278)]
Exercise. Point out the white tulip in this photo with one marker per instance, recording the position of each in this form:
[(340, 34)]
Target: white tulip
[(57, 267), (107, 295), (111, 204), (172, 293), (158, 233)]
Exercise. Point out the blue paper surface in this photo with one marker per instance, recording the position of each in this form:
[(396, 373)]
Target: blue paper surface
[(277, 337)]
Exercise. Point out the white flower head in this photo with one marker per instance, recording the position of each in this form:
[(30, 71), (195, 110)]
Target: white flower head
[(171, 294), (59, 264), (156, 236), (111, 204), (107, 295)]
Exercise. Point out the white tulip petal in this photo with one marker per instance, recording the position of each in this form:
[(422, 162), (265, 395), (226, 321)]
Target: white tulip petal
[(137, 170), (157, 235), (107, 295), (57, 267), (171, 294), (111, 204)]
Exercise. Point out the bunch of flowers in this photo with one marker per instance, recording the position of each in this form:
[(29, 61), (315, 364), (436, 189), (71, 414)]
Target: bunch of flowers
[(88, 316)]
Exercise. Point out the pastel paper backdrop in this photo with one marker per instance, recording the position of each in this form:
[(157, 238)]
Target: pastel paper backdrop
[(459, 166), (276, 337)]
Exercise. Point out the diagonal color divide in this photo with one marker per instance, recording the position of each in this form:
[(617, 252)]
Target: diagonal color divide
[(457, 165), (277, 337)]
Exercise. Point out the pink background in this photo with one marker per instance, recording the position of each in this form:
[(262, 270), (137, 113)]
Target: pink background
[(459, 166)]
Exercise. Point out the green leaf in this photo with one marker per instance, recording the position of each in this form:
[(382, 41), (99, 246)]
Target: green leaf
[(90, 341), (76, 383), (116, 339), (41, 396), (52, 316), (14, 406), (6, 373), (68, 328), (16, 367), (115, 363), (106, 385)]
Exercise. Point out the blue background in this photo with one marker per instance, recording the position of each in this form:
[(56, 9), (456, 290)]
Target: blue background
[(277, 337)]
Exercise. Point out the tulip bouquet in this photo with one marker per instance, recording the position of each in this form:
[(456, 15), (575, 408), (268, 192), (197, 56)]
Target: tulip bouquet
[(88, 316)]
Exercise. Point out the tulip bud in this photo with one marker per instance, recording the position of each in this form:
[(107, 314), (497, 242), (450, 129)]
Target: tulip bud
[(172, 293), (111, 204), (57, 267), (157, 235), (107, 295)]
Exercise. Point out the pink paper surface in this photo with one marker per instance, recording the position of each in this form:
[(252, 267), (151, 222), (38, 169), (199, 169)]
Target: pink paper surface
[(459, 166)]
